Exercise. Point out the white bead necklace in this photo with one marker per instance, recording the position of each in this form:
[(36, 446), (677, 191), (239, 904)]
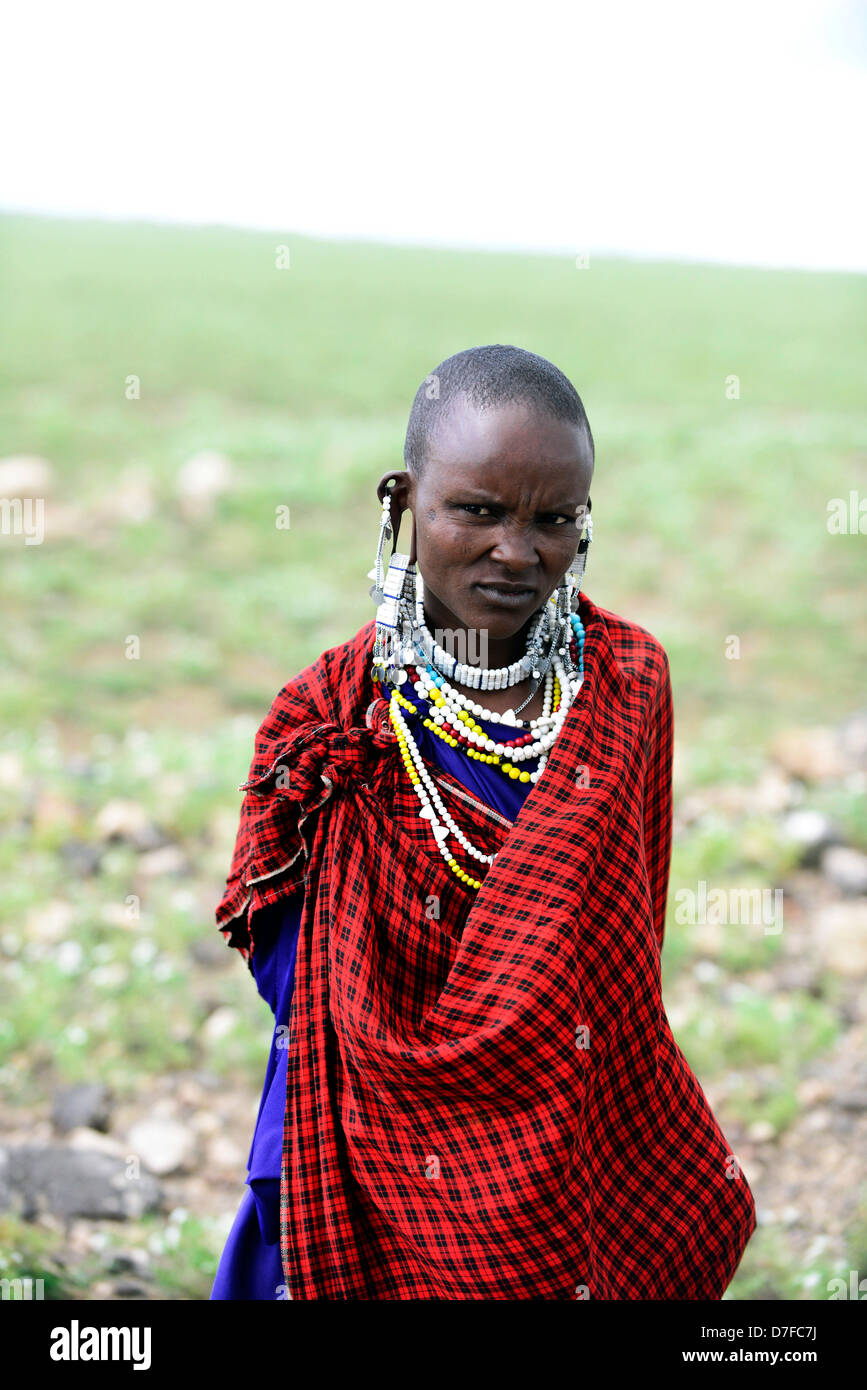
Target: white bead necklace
[(481, 677), (546, 726), (432, 807)]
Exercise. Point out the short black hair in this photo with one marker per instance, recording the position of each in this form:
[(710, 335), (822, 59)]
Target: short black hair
[(497, 374)]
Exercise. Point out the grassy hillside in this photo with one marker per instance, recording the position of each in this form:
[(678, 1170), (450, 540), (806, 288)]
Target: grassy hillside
[(710, 512)]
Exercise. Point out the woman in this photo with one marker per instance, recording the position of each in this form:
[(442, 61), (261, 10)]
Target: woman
[(456, 836)]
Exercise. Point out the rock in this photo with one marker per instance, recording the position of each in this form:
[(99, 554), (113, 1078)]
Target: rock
[(761, 1132), (84, 1138), (132, 500), (53, 811), (69, 957), (209, 952), (817, 1119), (81, 859), (205, 1122), (79, 765), (164, 1146), (25, 475), (12, 774), (225, 1156), (840, 934), (130, 1262), (160, 862), (852, 1100), (86, 1105), (68, 1182), (203, 478), (120, 915), (814, 755), (126, 1288), (219, 1024), (852, 735), (812, 831), (126, 820), (846, 868), (774, 792), (812, 1090), (50, 921)]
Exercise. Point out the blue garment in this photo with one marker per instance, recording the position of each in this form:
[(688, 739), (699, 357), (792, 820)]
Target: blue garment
[(250, 1266)]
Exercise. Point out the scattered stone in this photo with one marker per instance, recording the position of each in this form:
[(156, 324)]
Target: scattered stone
[(129, 1289), (817, 1119), (52, 811), (812, 1090), (814, 755), (206, 1122), (50, 921), (159, 863), (25, 475), (219, 1024), (761, 1132), (132, 499), (72, 1182), (12, 775), (812, 831), (225, 1156), (85, 1106), (852, 1100), (209, 952), (853, 739), (84, 1138), (203, 478), (119, 915), (774, 792), (127, 820), (79, 765), (846, 868), (80, 858), (840, 935), (164, 1146), (130, 1262)]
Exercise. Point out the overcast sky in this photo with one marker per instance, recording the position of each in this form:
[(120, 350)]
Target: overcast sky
[(729, 132)]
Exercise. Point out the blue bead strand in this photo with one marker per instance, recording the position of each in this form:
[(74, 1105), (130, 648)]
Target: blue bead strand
[(578, 629)]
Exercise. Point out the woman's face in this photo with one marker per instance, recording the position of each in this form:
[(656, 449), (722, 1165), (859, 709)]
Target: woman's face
[(496, 506)]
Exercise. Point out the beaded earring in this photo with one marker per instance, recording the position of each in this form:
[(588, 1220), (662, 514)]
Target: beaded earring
[(388, 593), (582, 552)]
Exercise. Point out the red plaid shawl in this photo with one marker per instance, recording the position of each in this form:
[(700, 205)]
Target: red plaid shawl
[(485, 1100)]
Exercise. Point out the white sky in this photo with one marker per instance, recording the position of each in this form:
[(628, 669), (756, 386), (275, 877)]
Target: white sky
[(728, 132)]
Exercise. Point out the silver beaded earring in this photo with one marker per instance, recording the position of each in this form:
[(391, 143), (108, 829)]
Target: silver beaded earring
[(388, 593), (582, 553)]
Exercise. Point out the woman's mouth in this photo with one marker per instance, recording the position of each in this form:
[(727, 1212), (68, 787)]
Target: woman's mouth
[(508, 596)]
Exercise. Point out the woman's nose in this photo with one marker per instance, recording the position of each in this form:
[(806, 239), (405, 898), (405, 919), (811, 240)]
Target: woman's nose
[(515, 548)]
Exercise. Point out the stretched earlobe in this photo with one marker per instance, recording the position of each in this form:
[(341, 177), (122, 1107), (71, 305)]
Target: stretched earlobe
[(395, 514)]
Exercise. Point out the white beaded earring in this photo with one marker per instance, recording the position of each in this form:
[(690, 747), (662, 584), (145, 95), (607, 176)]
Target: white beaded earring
[(583, 550), (387, 593)]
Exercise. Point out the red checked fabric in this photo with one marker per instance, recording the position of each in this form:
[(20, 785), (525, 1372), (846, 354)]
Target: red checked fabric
[(484, 1098)]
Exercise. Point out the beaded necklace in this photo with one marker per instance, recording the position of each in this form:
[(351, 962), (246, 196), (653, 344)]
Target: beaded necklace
[(449, 715)]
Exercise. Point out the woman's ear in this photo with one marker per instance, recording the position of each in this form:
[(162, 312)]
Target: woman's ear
[(400, 489)]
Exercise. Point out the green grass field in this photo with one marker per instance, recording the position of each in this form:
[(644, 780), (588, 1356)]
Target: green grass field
[(710, 516)]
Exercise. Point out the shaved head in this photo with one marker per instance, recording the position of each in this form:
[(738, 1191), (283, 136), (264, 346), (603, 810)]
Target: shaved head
[(485, 377)]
